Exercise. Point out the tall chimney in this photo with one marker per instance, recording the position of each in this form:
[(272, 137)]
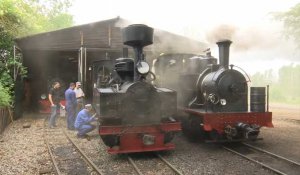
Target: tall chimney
[(137, 36), (224, 52)]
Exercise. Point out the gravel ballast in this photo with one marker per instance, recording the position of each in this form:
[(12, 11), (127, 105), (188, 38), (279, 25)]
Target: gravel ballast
[(23, 150)]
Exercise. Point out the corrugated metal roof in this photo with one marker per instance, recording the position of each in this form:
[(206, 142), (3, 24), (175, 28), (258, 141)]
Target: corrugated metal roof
[(106, 35)]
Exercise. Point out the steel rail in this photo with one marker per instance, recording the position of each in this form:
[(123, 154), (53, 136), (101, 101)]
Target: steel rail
[(161, 158), (134, 165), (262, 164), (51, 155), (169, 164), (84, 155), (272, 154)]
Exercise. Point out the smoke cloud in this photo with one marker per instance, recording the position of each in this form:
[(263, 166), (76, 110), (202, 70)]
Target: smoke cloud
[(245, 38), (221, 32)]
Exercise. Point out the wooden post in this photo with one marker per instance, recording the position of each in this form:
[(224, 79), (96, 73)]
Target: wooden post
[(1, 119), (10, 114)]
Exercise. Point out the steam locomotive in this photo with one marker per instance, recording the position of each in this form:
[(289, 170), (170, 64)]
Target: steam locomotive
[(213, 98), (135, 115)]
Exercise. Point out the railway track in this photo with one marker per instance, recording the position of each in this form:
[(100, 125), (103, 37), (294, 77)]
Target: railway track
[(64, 157), (158, 157), (273, 162)]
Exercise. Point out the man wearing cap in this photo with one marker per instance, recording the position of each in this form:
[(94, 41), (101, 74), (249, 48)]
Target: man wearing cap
[(83, 121), (79, 96)]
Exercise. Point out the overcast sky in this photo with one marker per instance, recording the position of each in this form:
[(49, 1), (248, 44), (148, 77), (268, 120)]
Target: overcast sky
[(257, 41)]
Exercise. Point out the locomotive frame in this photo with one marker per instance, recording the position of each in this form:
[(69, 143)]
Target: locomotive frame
[(220, 124), (139, 138)]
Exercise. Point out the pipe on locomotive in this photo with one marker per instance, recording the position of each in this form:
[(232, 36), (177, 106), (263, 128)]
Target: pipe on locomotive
[(224, 52)]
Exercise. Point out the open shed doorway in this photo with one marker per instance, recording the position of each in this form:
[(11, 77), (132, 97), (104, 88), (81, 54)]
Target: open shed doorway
[(45, 68)]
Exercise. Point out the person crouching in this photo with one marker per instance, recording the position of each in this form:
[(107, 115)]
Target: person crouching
[(83, 121)]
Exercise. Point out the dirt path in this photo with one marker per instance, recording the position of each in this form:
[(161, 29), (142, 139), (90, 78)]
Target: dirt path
[(284, 138)]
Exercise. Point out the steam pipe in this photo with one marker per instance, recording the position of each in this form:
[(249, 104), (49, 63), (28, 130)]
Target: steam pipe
[(267, 98), (205, 99), (224, 52), (138, 53), (125, 52), (84, 83), (80, 66)]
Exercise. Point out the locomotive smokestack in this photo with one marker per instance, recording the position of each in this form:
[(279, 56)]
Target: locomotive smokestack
[(137, 36), (224, 52)]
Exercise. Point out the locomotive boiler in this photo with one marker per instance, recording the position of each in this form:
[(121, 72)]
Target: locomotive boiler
[(213, 98), (135, 115)]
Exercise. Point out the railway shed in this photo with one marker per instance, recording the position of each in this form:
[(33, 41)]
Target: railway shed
[(71, 54)]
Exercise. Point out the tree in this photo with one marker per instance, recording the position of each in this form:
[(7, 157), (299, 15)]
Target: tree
[(262, 79), (24, 17), (291, 22), (5, 98), (289, 82), (286, 89), (32, 16)]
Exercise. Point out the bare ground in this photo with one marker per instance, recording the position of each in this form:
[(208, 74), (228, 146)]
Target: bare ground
[(284, 138)]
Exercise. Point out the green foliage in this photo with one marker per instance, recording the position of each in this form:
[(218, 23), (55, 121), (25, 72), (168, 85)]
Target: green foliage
[(266, 78), (291, 22), (5, 98), (9, 17), (59, 21), (24, 17), (286, 89)]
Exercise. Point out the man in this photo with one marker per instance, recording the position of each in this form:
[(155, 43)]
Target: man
[(71, 104), (54, 98), (79, 96), (83, 121)]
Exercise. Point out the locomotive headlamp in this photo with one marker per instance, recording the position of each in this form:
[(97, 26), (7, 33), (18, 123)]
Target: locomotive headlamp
[(148, 139), (223, 102), (43, 96), (143, 67)]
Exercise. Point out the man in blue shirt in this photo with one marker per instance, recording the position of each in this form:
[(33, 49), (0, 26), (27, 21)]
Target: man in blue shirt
[(83, 121), (71, 104)]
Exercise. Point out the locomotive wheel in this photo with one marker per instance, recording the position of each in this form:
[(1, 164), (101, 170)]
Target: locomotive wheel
[(111, 140), (194, 129), (185, 126), (169, 137), (215, 136)]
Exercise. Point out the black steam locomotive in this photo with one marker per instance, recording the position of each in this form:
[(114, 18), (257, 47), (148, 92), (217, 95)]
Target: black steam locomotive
[(213, 98), (135, 115)]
